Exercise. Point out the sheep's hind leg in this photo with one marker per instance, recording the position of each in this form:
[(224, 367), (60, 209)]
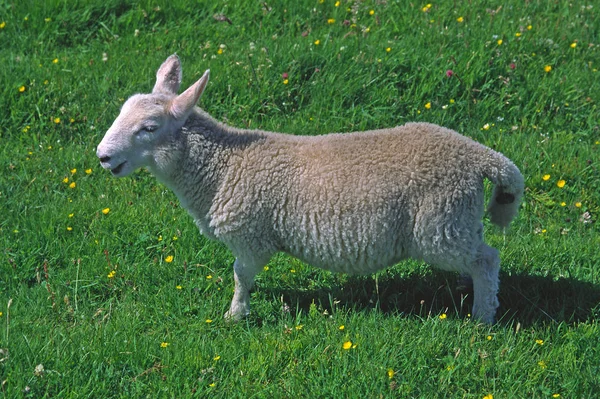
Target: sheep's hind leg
[(244, 281), (484, 271)]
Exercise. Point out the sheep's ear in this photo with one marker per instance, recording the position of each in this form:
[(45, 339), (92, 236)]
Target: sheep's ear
[(185, 102), (168, 76)]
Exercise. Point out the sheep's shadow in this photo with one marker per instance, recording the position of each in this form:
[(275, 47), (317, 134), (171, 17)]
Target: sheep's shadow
[(525, 299)]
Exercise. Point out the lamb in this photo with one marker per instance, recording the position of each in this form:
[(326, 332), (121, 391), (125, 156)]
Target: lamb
[(352, 202)]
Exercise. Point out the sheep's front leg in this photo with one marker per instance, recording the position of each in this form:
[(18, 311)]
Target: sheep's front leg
[(485, 284), (243, 273)]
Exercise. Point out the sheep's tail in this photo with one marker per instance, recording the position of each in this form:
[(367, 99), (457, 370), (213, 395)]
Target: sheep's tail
[(508, 190)]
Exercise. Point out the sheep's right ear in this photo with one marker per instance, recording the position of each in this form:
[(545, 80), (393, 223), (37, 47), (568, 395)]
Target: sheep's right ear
[(183, 104), (168, 76)]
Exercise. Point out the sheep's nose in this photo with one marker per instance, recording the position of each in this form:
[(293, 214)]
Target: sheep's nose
[(104, 159)]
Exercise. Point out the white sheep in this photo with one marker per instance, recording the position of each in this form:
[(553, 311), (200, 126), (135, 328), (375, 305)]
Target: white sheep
[(352, 202)]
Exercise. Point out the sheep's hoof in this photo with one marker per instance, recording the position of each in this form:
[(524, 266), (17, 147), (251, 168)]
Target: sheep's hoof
[(233, 316)]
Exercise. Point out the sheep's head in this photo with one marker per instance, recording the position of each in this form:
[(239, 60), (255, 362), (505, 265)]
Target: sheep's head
[(147, 121)]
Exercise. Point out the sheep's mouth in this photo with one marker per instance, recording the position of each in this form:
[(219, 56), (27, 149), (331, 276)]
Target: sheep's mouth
[(118, 169)]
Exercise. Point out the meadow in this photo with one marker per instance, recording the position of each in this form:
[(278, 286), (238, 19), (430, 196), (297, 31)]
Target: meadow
[(108, 290)]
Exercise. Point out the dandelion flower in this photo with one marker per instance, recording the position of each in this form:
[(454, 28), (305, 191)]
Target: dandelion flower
[(341, 328), (555, 395), (428, 105), (57, 120), (547, 68), (208, 321), (55, 61), (460, 20), (488, 396), (212, 385), (337, 4), (164, 344), (21, 89), (71, 215), (539, 341), (546, 177), (111, 274), (317, 42), (489, 337), (388, 49), (529, 27), (216, 358), (169, 259), (65, 180), (1, 314), (331, 21), (208, 277), (347, 345), (178, 287), (563, 204), (2, 25), (390, 373), (574, 44), (578, 204), (443, 316), (285, 81), (266, 268), (500, 42), (73, 171), (72, 185), (69, 228), (542, 365), (518, 34), (560, 183), (299, 327), (486, 126), (88, 171), (105, 211), (220, 51), (371, 12)]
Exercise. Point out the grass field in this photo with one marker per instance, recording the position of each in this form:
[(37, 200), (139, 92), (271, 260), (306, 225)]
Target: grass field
[(108, 290)]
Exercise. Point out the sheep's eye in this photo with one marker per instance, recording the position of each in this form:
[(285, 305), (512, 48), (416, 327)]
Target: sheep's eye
[(149, 129)]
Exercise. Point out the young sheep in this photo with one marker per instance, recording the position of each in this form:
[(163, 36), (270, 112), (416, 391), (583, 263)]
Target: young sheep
[(352, 203)]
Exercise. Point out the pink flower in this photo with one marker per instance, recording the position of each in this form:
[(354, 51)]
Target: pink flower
[(449, 73), (512, 65), (284, 75)]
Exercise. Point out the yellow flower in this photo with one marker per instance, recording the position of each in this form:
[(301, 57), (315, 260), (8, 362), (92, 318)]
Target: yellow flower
[(111, 274), (578, 204), (563, 204), (105, 211), (299, 327), (285, 81), (390, 373), (331, 21), (1, 314), (71, 215), (489, 337), (443, 316), (556, 395), (178, 287), (169, 259), (518, 34), (266, 268), (371, 12), (388, 49), (47, 19), (574, 44), (71, 120), (164, 344), (2, 25), (220, 51), (88, 171), (216, 358), (337, 3), (499, 42), (341, 328), (208, 321), (21, 89), (65, 180), (560, 183), (212, 385), (488, 396), (529, 27), (547, 68), (539, 341), (486, 126), (57, 120), (460, 20), (347, 345), (428, 105), (73, 171), (72, 185), (317, 42), (69, 228), (208, 277), (546, 177), (55, 61), (542, 365)]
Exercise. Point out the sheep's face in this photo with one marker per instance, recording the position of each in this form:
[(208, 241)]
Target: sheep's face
[(148, 121), (138, 131)]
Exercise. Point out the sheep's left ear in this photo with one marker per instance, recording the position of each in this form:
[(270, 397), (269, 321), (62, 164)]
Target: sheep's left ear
[(183, 104), (168, 76)]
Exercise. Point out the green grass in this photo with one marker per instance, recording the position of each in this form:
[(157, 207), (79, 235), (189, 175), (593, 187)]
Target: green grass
[(67, 66)]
